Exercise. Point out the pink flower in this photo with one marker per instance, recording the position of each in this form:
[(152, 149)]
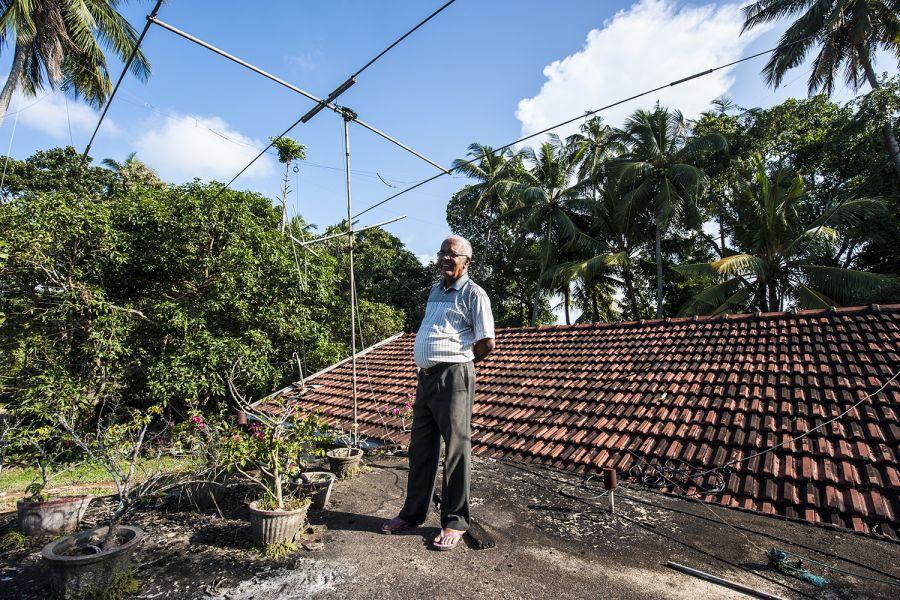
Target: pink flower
[(407, 405), (197, 419), (410, 395), (396, 411), (235, 438)]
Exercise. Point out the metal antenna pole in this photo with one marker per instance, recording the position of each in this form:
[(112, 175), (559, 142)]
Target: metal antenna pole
[(150, 19), (348, 115)]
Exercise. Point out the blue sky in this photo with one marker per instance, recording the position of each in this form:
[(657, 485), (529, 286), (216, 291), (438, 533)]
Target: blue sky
[(480, 71)]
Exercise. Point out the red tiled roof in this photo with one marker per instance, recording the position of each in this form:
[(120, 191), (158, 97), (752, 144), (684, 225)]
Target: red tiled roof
[(704, 391)]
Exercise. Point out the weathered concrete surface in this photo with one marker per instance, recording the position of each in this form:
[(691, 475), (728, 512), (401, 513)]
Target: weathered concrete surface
[(550, 545)]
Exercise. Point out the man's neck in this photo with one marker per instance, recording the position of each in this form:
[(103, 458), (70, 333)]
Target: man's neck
[(452, 282)]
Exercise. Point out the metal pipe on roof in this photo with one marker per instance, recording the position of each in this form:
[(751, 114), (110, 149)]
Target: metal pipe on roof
[(723, 582)]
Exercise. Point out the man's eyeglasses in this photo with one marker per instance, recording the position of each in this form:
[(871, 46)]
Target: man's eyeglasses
[(452, 255)]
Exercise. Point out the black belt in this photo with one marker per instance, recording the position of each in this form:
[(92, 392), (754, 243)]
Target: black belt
[(437, 368)]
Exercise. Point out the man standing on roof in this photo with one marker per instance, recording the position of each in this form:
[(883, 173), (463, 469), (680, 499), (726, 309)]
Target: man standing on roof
[(457, 331)]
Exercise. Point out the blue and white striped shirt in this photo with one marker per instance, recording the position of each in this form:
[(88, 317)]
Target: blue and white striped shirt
[(455, 318)]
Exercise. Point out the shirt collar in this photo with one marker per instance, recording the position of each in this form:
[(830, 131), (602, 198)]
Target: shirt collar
[(456, 285)]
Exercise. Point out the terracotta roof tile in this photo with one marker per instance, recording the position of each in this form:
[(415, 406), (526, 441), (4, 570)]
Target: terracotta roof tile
[(703, 391)]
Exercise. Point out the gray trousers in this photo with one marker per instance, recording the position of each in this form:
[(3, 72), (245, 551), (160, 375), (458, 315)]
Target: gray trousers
[(442, 410)]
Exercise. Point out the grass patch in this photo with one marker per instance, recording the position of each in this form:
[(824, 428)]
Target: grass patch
[(279, 550), (123, 586), (14, 540), (17, 479)]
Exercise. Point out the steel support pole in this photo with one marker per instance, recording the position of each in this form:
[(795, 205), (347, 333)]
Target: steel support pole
[(150, 19), (347, 117)]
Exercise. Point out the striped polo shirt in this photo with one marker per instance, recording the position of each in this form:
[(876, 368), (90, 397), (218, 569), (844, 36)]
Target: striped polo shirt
[(455, 318)]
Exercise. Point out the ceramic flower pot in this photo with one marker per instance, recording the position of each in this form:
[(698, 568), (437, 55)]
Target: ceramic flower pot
[(52, 517), (315, 485), (344, 462), (275, 526), (78, 568)]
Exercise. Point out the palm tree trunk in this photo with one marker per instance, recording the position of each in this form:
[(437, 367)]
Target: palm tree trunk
[(659, 270), (773, 296), (12, 81), (629, 291), (887, 132), (595, 308), (566, 298), (534, 305), (284, 193)]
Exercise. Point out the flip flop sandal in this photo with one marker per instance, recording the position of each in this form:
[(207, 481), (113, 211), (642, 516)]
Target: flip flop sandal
[(395, 525), (451, 540)]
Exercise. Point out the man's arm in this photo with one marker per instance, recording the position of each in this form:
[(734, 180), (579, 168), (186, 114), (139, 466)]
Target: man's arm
[(482, 348)]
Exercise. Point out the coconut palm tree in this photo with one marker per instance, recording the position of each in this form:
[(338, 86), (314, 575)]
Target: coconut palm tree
[(846, 32), (543, 201), (288, 151), (60, 40), (488, 167), (657, 171), (598, 146), (610, 247), (778, 259), (133, 172)]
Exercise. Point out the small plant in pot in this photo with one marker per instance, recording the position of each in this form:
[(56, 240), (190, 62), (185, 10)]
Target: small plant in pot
[(97, 561), (39, 514), (268, 451), (204, 437)]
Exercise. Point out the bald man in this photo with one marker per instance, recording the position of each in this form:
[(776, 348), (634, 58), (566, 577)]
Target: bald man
[(456, 332)]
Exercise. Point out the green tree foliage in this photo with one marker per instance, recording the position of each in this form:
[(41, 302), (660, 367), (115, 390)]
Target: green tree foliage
[(635, 205), (779, 259), (60, 40), (847, 32), (150, 296), (658, 173), (133, 173), (389, 275)]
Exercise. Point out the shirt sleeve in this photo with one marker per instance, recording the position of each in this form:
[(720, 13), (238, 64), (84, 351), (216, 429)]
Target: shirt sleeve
[(482, 317)]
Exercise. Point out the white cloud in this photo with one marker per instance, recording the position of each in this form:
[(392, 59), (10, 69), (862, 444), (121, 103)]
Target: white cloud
[(53, 114), (188, 146), (305, 61), (650, 44)]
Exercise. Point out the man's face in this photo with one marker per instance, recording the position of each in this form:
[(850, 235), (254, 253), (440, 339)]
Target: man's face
[(452, 260)]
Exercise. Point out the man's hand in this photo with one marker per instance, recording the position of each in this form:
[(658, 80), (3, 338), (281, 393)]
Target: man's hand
[(482, 348)]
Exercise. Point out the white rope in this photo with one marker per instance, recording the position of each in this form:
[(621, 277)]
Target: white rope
[(9, 149)]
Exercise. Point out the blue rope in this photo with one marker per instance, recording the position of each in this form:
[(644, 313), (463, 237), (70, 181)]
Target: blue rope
[(778, 560)]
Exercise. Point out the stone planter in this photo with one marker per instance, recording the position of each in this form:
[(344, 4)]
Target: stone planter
[(315, 485), (78, 570), (344, 462), (275, 526), (52, 517)]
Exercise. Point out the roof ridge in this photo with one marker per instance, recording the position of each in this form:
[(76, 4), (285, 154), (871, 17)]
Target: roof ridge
[(831, 310)]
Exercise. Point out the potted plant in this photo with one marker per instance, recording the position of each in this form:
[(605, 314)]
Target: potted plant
[(344, 462), (268, 451), (39, 514), (206, 439), (89, 563), (315, 485)]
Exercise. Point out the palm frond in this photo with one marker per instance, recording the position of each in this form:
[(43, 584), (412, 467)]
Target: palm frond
[(740, 264), (836, 282)]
